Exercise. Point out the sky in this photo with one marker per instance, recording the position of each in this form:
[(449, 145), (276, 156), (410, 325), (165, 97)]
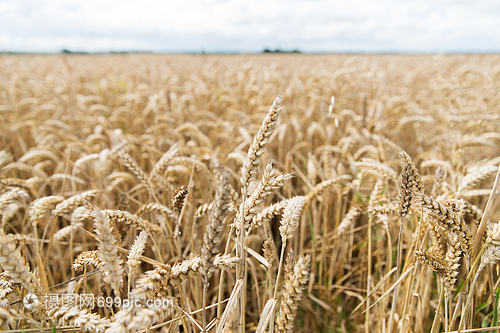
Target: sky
[(311, 26)]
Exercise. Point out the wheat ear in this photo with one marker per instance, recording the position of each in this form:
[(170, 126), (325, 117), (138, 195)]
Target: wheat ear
[(295, 283), (154, 207), (39, 206), (268, 184), (78, 317), (179, 197), (474, 177), (213, 234), (348, 219), (112, 264), (448, 219), (7, 316), (11, 196), (250, 167), (85, 259), (69, 204), (290, 219), (136, 251), (134, 317), (6, 287), (11, 260), (127, 160), (289, 224)]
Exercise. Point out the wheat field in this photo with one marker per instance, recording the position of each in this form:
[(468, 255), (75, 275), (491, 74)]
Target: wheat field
[(249, 193)]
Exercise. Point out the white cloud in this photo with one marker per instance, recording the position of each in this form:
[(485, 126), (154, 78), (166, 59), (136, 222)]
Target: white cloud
[(319, 25)]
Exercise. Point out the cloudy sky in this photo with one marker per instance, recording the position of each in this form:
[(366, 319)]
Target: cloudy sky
[(250, 25)]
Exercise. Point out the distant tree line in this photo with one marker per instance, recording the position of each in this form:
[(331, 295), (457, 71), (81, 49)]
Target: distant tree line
[(280, 51), (66, 51)]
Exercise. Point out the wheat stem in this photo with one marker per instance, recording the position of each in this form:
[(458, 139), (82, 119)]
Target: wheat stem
[(484, 220)]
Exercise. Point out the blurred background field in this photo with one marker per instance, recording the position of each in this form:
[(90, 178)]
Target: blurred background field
[(65, 117)]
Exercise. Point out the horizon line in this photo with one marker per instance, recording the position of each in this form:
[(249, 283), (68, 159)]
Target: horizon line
[(263, 52)]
